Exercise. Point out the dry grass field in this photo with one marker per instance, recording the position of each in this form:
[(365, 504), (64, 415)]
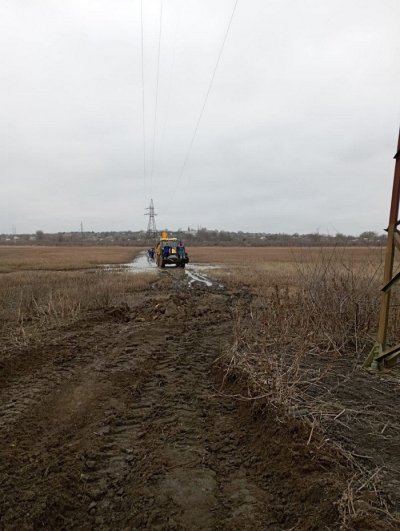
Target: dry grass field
[(13, 258), (286, 255), (267, 267), (41, 286), (131, 400), (278, 259)]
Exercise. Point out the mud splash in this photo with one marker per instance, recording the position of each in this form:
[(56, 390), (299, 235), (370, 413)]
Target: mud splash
[(194, 273), (141, 264)]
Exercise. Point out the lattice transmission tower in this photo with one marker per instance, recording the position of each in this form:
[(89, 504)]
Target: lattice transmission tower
[(151, 226)]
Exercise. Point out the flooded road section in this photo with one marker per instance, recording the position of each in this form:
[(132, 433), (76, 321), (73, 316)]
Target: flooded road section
[(195, 273)]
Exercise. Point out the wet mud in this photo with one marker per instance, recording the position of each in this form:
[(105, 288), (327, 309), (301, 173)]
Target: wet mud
[(120, 421)]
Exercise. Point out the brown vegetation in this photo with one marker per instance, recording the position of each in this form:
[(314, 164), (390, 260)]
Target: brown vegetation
[(46, 286), (284, 259), (30, 302), (299, 346), (13, 258)]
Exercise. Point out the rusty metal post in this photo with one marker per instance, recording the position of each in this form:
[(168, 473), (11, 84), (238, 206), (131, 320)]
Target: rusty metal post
[(379, 354)]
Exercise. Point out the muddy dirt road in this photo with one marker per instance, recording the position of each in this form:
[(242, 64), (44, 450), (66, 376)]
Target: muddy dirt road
[(119, 421)]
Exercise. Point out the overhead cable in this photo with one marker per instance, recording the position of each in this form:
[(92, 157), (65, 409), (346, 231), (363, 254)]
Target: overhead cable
[(143, 103), (156, 102), (188, 152), (160, 156)]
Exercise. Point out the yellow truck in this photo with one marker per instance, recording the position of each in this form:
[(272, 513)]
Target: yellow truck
[(169, 252)]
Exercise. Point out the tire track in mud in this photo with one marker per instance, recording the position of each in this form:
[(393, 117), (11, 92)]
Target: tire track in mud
[(156, 457), (25, 391), (123, 426)]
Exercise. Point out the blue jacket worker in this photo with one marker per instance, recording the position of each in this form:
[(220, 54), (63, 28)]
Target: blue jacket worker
[(181, 250)]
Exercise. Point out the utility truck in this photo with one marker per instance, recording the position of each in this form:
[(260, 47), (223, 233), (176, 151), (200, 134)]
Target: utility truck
[(170, 252)]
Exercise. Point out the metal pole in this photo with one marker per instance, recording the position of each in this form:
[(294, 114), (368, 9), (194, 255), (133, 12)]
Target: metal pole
[(381, 343)]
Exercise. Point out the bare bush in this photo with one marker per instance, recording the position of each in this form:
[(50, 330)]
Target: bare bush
[(32, 300), (298, 349)]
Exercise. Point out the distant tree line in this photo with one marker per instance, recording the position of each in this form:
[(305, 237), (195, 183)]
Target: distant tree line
[(192, 237)]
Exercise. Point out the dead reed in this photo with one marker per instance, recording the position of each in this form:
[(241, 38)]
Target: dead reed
[(30, 301), (298, 348)]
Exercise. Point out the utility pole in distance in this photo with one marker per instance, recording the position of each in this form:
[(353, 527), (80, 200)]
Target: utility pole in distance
[(381, 356)]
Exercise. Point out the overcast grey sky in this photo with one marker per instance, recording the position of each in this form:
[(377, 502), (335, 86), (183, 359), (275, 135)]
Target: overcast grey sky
[(298, 134)]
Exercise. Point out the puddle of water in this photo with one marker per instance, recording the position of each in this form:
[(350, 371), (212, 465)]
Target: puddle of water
[(196, 277), (141, 264)]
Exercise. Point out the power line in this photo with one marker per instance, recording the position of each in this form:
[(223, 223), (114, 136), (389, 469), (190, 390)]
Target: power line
[(143, 103), (156, 103), (187, 155), (171, 71)]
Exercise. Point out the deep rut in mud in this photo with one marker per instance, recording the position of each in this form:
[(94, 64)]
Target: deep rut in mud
[(118, 422)]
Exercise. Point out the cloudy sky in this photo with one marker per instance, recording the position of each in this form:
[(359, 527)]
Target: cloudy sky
[(298, 133)]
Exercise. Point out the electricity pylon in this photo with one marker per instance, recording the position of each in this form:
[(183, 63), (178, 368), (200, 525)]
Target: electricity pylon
[(151, 226), (380, 355)]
